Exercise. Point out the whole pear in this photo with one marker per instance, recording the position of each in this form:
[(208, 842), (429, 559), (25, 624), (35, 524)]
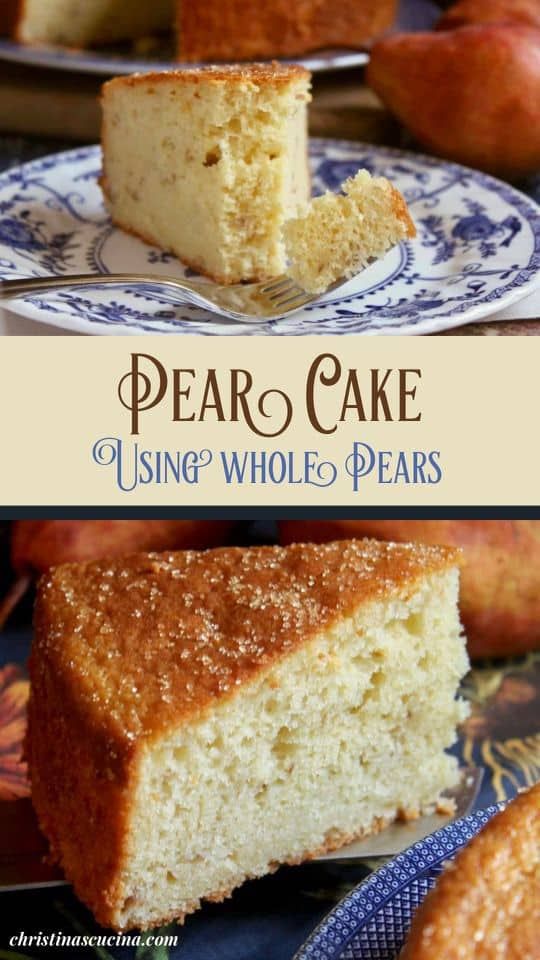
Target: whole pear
[(466, 12), (470, 95), (37, 545)]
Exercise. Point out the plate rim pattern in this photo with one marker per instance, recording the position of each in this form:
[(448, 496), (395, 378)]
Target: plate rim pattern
[(526, 279), (376, 892)]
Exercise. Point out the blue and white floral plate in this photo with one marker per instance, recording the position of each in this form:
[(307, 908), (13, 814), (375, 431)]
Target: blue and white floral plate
[(477, 251), (372, 922)]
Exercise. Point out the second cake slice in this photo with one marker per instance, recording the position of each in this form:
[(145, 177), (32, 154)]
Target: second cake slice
[(208, 164), (198, 718)]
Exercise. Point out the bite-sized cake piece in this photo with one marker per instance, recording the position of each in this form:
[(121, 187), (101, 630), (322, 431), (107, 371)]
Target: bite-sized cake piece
[(208, 164), (340, 234), (305, 694), (486, 904), (81, 24), (248, 29)]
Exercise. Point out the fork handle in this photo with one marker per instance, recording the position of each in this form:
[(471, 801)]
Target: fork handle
[(19, 288)]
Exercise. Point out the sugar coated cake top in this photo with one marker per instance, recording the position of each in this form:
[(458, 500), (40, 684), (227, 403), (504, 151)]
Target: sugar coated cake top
[(151, 639), (272, 74)]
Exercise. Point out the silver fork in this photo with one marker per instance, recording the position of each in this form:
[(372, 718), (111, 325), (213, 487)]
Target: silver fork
[(243, 302)]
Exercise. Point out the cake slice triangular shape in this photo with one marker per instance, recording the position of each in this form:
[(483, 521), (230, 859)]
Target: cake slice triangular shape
[(198, 718), (209, 163)]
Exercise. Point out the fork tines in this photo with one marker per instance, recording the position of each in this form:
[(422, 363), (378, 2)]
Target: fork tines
[(283, 291)]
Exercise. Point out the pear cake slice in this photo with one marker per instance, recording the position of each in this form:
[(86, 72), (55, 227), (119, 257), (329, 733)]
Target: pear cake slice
[(209, 163), (198, 718)]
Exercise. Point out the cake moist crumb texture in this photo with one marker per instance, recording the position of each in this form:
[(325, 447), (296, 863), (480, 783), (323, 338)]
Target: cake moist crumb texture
[(197, 718), (208, 164), (340, 234)]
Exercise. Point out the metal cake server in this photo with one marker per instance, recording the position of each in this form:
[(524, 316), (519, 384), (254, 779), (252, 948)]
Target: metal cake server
[(23, 849), (402, 834)]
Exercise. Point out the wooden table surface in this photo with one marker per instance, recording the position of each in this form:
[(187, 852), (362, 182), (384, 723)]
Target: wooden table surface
[(42, 110)]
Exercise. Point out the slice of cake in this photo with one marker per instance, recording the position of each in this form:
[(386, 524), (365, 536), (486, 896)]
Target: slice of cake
[(196, 719), (207, 29), (74, 23), (249, 29), (340, 234), (208, 164)]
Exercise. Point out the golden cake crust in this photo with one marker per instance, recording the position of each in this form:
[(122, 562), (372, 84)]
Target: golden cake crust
[(401, 211), (168, 634), (246, 29), (486, 905), (269, 74)]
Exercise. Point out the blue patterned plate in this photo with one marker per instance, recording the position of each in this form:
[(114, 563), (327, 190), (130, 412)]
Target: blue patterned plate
[(372, 922), (477, 250)]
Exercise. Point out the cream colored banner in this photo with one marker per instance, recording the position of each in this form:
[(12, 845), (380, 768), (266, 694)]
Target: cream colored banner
[(189, 421)]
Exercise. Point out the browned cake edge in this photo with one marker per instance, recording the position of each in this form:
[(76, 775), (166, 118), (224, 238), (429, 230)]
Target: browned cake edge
[(401, 212), (80, 790), (279, 30)]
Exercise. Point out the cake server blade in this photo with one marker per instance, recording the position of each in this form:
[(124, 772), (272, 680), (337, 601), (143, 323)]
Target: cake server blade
[(400, 835), (23, 848)]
